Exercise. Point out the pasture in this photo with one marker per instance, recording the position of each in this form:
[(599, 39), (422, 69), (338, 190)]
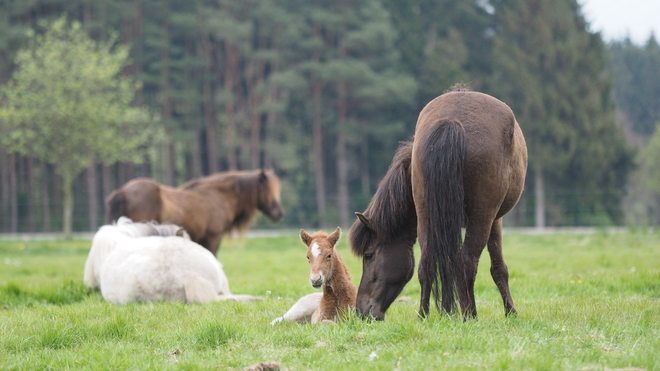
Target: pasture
[(585, 302)]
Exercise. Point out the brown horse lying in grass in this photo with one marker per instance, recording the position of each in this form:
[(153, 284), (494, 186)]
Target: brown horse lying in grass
[(329, 272), (207, 208)]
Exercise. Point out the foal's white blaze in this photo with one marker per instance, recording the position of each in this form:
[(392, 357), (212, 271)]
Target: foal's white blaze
[(316, 250)]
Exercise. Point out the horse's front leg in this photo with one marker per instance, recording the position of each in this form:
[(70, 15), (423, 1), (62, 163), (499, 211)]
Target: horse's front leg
[(212, 243), (498, 269)]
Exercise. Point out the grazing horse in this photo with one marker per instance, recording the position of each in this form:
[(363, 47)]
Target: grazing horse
[(465, 168), (132, 262), (208, 207), (329, 272)]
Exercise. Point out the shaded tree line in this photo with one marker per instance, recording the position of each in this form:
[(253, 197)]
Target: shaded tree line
[(324, 91)]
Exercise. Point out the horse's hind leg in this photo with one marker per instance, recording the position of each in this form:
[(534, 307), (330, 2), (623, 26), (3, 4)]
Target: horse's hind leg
[(498, 268), (426, 285), (476, 237)]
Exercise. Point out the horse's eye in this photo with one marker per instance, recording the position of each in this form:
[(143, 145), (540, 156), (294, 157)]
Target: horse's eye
[(368, 256), (330, 256)]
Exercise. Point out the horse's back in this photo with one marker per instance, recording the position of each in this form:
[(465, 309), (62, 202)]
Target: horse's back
[(162, 268), (496, 157), (139, 199), (489, 123)]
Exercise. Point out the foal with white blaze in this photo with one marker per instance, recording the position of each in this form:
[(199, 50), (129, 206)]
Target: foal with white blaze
[(328, 271)]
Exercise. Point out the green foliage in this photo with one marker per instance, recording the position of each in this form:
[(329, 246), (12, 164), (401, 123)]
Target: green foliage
[(233, 83), (68, 103), (551, 71), (637, 85), (650, 163), (585, 301)]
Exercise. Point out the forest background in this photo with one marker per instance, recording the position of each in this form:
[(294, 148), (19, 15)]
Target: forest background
[(324, 91)]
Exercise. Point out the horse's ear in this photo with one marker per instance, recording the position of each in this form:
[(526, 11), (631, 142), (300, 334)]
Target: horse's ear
[(262, 176), (305, 237), (182, 233), (363, 218), (334, 236)]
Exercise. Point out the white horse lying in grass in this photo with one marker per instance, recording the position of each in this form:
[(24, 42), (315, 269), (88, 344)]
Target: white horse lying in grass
[(149, 262)]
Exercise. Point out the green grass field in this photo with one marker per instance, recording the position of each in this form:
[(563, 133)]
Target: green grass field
[(585, 302)]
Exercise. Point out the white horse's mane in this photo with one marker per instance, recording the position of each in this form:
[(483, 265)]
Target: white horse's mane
[(152, 228)]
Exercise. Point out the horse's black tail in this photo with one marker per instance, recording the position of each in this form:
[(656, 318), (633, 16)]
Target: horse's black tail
[(445, 149), (116, 204)]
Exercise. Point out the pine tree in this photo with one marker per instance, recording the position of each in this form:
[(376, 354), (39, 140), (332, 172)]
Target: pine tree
[(551, 71)]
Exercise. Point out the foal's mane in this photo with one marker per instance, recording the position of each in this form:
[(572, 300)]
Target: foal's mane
[(391, 212)]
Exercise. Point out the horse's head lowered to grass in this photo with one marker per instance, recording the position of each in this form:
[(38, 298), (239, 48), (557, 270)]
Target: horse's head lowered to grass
[(384, 236)]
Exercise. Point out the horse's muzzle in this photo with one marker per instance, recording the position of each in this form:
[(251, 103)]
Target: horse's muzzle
[(316, 283), (276, 215), (370, 314)]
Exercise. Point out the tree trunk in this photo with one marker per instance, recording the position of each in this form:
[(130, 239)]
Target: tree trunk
[(13, 193), (319, 172), (106, 186), (342, 164), (364, 162), (67, 216), (256, 101), (209, 114), (4, 192), (168, 108), (92, 199), (231, 70), (45, 197), (197, 167), (32, 195), (539, 196)]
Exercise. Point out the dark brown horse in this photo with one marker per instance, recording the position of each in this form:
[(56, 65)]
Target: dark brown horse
[(208, 207), (465, 168)]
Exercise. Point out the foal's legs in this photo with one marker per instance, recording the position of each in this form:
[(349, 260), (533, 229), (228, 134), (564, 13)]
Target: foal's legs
[(498, 269), (302, 310)]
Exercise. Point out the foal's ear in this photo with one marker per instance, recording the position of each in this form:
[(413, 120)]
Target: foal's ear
[(334, 237), (305, 237), (363, 218)]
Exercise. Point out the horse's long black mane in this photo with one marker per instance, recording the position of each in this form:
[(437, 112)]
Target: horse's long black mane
[(391, 211)]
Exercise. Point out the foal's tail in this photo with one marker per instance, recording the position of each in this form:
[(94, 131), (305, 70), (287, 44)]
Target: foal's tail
[(116, 203), (446, 150)]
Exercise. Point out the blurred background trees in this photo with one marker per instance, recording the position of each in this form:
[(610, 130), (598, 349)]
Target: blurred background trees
[(324, 91)]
